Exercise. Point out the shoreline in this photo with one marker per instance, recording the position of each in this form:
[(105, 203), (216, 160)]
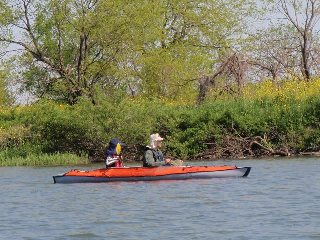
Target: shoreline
[(89, 163)]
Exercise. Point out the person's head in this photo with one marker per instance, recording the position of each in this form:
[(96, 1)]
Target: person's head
[(115, 147), (155, 141)]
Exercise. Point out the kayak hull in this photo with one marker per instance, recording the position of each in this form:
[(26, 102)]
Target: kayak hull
[(150, 174)]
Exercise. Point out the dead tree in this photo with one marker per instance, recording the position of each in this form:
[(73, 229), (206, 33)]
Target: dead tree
[(233, 68)]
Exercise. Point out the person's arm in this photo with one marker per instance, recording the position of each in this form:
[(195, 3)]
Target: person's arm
[(120, 163), (166, 161), (111, 161), (150, 161)]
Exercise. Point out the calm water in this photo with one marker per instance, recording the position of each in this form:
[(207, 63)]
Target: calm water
[(279, 200)]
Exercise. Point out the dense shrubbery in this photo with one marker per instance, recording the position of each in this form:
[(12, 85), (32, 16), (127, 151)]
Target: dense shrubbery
[(250, 126)]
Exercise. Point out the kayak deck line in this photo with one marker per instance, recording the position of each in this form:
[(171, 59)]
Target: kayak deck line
[(150, 174)]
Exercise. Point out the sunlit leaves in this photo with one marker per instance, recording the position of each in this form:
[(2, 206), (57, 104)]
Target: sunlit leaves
[(6, 13), (156, 47)]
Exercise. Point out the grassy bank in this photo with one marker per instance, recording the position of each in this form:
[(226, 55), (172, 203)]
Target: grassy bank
[(57, 159), (269, 119)]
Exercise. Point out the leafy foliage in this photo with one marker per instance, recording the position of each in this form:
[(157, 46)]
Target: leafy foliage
[(190, 131), (80, 48), (5, 98)]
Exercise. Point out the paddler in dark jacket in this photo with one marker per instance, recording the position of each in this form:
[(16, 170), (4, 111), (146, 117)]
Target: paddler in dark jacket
[(153, 157), (113, 154)]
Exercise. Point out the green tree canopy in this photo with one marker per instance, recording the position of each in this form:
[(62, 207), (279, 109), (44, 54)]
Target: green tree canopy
[(73, 48)]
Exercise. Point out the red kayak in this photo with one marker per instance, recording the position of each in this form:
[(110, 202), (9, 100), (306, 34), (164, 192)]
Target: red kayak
[(150, 173)]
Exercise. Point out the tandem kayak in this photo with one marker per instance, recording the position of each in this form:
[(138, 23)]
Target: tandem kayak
[(150, 174)]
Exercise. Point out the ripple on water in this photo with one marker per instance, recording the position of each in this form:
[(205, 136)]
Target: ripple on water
[(82, 235)]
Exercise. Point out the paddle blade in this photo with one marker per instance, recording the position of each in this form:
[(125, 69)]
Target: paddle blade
[(118, 149)]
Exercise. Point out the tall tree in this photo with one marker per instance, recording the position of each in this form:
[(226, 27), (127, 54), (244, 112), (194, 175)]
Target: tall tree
[(62, 52), (190, 38), (304, 16)]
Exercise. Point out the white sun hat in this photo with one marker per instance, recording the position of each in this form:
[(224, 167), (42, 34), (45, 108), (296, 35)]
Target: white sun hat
[(154, 138)]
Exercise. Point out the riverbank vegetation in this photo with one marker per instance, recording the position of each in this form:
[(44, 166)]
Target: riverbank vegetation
[(75, 74), (56, 159), (269, 119)]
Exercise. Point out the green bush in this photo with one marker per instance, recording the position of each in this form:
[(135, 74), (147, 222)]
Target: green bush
[(48, 128)]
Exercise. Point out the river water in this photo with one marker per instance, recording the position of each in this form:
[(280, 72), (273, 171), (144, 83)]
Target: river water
[(280, 199)]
